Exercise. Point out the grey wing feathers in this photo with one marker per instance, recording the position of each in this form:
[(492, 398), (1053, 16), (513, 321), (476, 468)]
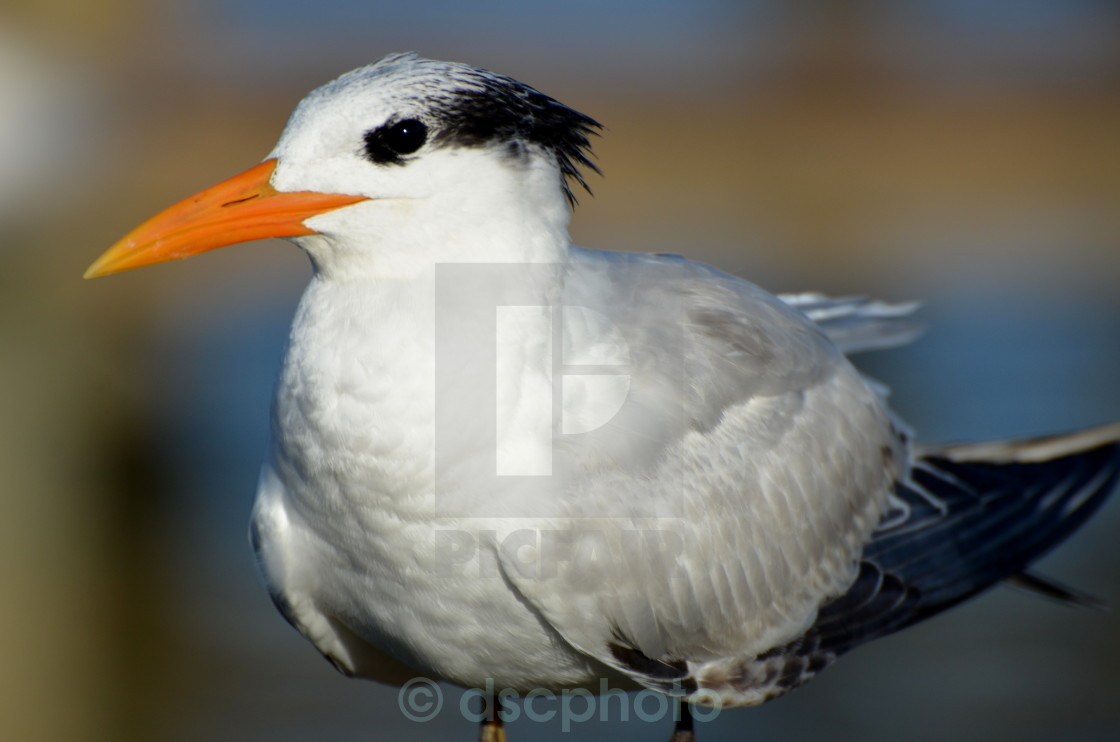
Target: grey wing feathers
[(856, 324), (956, 527)]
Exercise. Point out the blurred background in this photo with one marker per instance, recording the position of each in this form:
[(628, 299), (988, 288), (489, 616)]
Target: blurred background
[(963, 153)]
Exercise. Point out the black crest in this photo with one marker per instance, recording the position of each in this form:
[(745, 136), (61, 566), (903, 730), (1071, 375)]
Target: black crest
[(501, 109), (477, 108), (446, 104)]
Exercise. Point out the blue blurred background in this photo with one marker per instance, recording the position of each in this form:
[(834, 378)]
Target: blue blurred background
[(963, 153)]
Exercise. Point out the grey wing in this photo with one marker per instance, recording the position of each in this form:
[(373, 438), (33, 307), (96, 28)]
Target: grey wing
[(967, 517), (736, 516)]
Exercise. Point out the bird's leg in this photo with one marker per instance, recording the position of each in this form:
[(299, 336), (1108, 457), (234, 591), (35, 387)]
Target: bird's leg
[(492, 729), (683, 731)]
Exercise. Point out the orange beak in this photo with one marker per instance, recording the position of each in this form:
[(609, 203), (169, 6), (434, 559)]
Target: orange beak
[(245, 207)]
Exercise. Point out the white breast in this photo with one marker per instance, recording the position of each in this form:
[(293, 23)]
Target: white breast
[(352, 533)]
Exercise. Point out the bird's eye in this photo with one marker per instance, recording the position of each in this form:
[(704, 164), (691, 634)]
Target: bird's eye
[(386, 144)]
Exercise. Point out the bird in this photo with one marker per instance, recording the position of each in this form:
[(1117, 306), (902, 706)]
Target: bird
[(500, 460)]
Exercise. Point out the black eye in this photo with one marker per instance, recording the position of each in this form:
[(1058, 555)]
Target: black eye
[(386, 144)]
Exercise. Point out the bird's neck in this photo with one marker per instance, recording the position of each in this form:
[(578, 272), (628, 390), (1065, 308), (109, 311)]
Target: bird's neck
[(439, 300), (371, 364)]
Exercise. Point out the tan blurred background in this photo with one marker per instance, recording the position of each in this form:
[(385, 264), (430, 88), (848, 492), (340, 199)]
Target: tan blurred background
[(964, 153)]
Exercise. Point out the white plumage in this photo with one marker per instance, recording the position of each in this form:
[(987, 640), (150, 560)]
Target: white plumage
[(500, 458)]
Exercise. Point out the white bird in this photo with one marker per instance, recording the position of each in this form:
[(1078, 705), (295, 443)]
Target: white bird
[(504, 461)]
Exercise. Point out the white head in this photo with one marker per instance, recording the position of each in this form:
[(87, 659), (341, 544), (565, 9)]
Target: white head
[(393, 167)]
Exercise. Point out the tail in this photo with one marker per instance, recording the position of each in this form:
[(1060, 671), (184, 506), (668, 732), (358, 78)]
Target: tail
[(968, 517), (855, 324)]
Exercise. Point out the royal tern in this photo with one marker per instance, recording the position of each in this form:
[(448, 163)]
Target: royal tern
[(503, 461)]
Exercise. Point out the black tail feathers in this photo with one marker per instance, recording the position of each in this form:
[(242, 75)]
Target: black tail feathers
[(968, 517)]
